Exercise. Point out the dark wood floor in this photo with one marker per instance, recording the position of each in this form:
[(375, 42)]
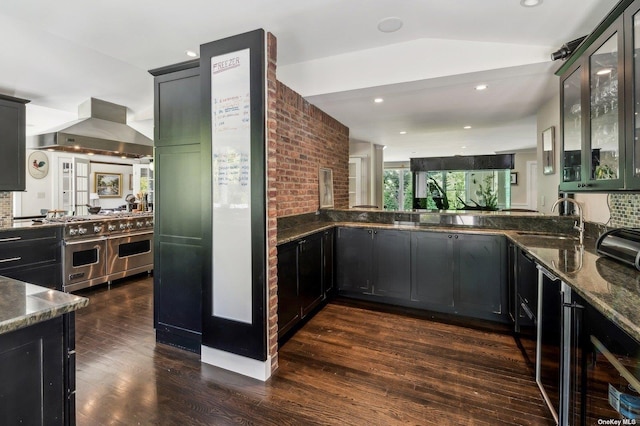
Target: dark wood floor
[(348, 365)]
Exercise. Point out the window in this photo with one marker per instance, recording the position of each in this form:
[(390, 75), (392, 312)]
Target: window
[(398, 189)]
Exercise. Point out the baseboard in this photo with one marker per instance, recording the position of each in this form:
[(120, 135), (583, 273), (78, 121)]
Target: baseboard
[(260, 370)]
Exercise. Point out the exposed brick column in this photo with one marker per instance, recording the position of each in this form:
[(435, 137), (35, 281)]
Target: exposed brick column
[(272, 207)]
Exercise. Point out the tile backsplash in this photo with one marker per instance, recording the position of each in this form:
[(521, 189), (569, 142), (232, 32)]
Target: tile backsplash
[(625, 210), (6, 207)]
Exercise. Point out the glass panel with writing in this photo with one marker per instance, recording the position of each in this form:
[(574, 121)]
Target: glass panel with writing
[(603, 78), (572, 128), (636, 95)]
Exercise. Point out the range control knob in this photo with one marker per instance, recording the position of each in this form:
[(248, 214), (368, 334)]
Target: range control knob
[(149, 223), (82, 230), (73, 231), (111, 227), (139, 224), (97, 229), (123, 226), (129, 225)]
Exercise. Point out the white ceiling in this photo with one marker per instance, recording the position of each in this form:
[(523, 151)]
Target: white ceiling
[(58, 54)]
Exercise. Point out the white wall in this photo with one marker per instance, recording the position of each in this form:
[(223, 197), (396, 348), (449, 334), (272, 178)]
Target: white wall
[(548, 115), (372, 170), (41, 193), (520, 198)]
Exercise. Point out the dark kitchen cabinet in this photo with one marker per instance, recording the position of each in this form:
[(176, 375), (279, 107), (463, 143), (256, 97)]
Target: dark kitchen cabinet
[(37, 366), (354, 257), (12, 143), (301, 278), (33, 255), (465, 274), (374, 261), (432, 270), (480, 275), (179, 209), (328, 267), (288, 303)]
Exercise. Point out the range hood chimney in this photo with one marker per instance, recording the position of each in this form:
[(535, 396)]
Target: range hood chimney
[(101, 128)]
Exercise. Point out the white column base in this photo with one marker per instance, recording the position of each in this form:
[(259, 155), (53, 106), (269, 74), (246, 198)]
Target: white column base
[(238, 364)]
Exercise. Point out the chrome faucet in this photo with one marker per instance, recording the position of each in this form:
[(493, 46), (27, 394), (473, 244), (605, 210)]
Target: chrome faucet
[(578, 225)]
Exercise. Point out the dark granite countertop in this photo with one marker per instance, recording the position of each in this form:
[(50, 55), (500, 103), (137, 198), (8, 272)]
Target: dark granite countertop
[(25, 224), (23, 304), (611, 287)]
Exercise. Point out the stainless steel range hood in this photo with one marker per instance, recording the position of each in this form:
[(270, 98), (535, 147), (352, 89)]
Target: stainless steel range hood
[(101, 129)]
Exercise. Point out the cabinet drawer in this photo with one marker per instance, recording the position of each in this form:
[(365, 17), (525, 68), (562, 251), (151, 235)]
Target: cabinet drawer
[(29, 234), (17, 250)]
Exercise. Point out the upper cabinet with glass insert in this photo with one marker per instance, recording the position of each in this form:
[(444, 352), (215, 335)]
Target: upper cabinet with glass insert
[(592, 98), (600, 107)]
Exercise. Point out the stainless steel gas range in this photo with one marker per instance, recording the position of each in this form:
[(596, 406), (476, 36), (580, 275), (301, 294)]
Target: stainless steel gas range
[(101, 248)]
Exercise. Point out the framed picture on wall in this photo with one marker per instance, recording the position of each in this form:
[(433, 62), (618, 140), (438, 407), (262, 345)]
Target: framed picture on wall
[(514, 178), (548, 150), (325, 181), (108, 185)]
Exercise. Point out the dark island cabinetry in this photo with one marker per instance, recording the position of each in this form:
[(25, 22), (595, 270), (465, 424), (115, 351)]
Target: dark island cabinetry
[(457, 273), (374, 262), (12, 141), (33, 360), (481, 274), (178, 231), (33, 255), (37, 354), (432, 270), (305, 277)]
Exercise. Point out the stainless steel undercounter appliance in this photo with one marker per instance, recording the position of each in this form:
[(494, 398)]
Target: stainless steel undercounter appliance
[(102, 248)]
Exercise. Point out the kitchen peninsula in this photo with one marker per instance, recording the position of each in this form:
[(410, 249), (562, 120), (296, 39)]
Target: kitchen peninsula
[(469, 265), (37, 354)]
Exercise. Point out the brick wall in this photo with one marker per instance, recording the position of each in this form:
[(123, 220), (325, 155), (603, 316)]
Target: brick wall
[(272, 222), (308, 139)]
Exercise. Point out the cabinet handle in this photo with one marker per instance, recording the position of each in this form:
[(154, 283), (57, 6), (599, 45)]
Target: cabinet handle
[(456, 237), (10, 259), (4, 240), (449, 236)]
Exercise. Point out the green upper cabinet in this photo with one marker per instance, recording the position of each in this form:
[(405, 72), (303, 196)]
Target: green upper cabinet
[(593, 116), (600, 107)]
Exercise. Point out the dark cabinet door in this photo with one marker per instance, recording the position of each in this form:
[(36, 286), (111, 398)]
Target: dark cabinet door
[(310, 272), (288, 302), (12, 142), (353, 257), (178, 225), (328, 276), (392, 263), (480, 274), (432, 268), (32, 390)]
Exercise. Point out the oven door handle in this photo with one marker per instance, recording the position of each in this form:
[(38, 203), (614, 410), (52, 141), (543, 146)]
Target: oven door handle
[(137, 234), (93, 240)]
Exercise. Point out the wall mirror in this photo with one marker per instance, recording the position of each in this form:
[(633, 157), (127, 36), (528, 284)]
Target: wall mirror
[(548, 151)]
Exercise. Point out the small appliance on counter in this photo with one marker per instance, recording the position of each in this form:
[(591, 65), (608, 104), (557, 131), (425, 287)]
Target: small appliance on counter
[(622, 244)]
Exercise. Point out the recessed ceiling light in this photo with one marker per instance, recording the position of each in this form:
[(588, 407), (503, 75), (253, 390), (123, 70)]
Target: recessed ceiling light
[(378, 100), (89, 153), (191, 53), (390, 25), (481, 87), (530, 3), (604, 71), (404, 132), (463, 147), (466, 127)]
